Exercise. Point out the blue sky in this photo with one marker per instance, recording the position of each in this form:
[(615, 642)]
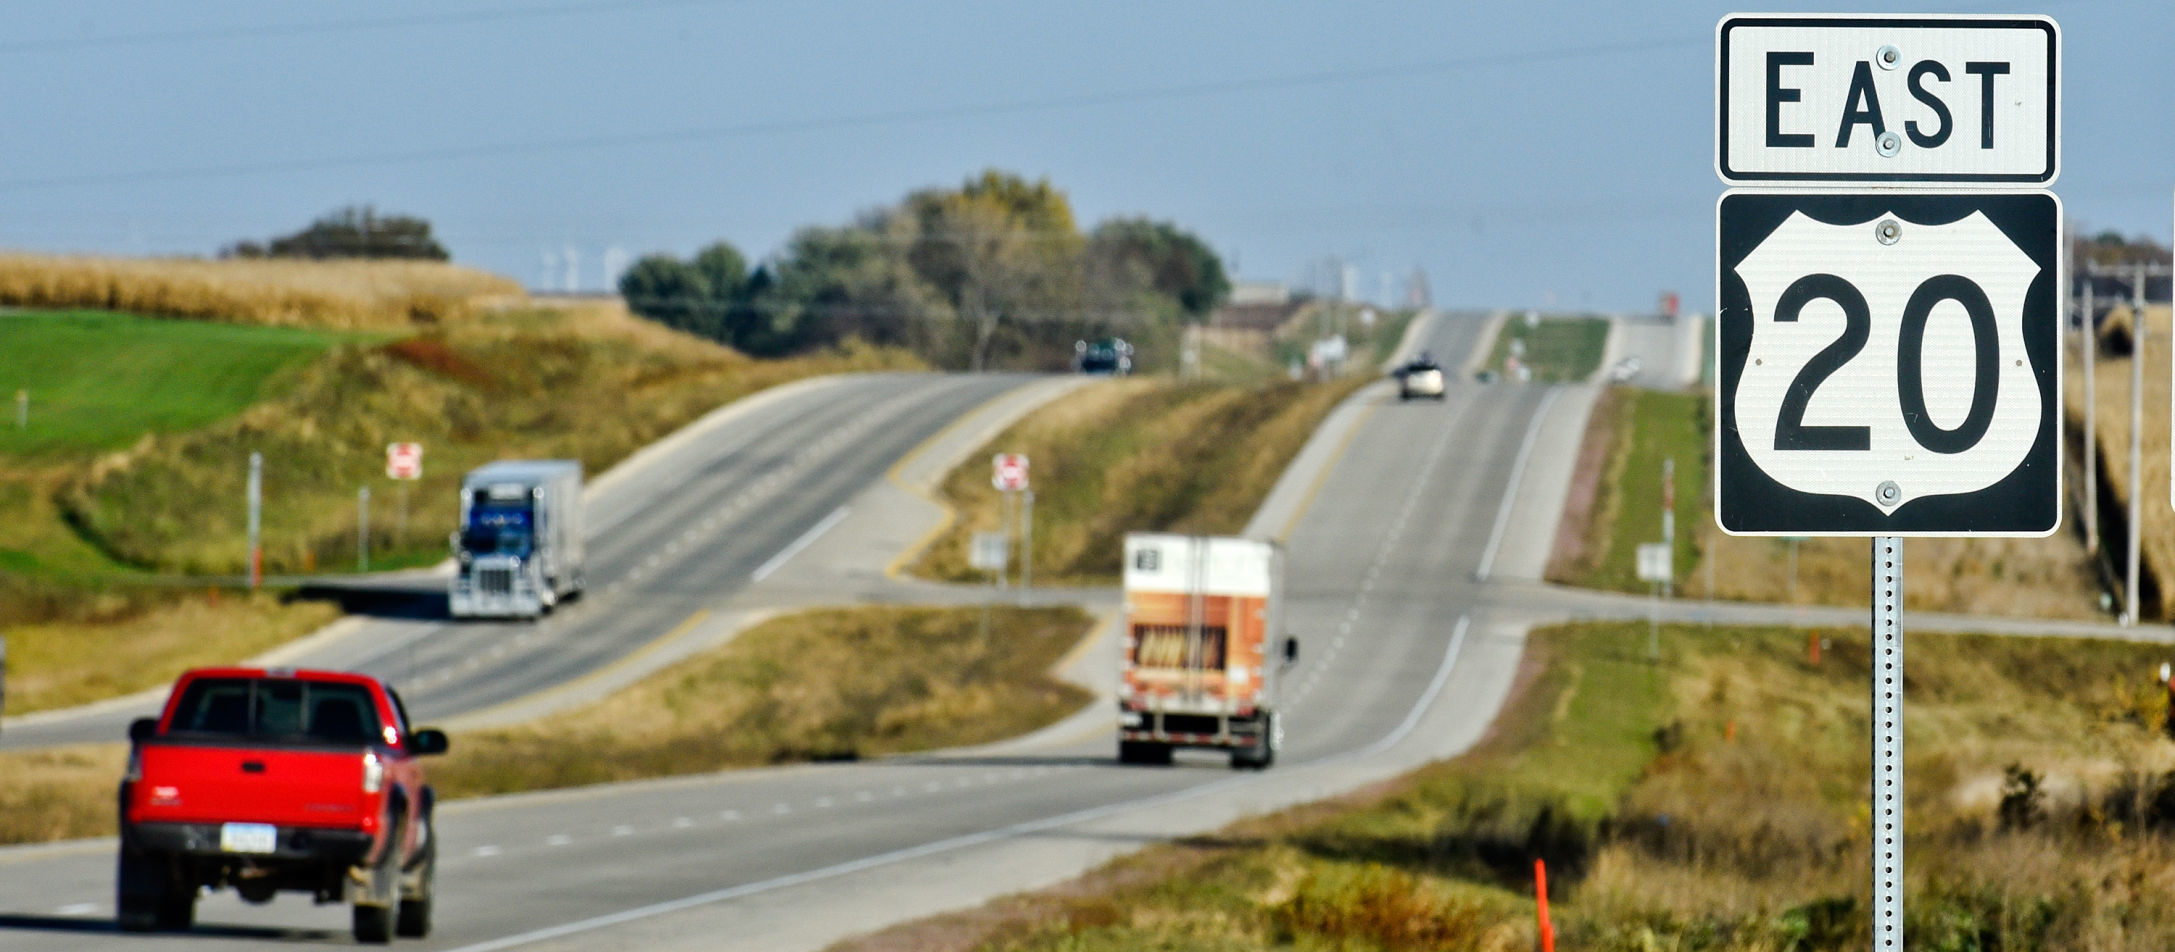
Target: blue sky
[(1524, 154)]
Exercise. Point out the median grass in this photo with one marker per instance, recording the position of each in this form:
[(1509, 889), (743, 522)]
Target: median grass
[(1715, 800), (1616, 505), (838, 684), (1556, 349), (1134, 455)]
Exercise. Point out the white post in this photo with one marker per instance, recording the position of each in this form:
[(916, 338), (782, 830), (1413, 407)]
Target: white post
[(256, 520), (1027, 539), (1669, 521), (1004, 527), (1887, 682)]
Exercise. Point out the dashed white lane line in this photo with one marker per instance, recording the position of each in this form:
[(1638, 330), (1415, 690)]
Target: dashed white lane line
[(484, 851), (77, 909), (781, 808), (825, 803), (933, 786), (728, 815), (558, 839), (622, 830), (898, 791), (864, 796), (681, 822)]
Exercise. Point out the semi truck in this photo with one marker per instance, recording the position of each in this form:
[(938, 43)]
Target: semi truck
[(274, 780), (518, 552), (1201, 663)]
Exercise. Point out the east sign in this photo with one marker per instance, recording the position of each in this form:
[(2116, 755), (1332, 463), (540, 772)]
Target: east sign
[(1930, 101)]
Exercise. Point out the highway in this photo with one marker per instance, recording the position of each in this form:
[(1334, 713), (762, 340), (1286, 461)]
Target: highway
[(1402, 662), (685, 528)]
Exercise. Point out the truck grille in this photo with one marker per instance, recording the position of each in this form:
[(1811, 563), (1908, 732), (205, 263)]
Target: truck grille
[(495, 581)]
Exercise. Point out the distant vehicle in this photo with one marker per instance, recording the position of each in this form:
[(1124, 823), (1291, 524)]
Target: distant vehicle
[(1487, 376), (1625, 369), (1421, 377), (519, 547), (1202, 662), (1109, 356), (272, 781)]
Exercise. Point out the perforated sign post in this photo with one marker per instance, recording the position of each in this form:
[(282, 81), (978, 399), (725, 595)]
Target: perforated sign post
[(1889, 358)]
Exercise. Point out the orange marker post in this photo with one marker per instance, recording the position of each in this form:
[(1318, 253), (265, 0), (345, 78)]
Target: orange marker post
[(1540, 894)]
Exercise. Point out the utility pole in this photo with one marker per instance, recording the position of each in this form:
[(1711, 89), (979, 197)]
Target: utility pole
[(2091, 422), (2136, 530)]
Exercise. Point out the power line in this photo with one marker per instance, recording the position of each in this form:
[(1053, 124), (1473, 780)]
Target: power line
[(58, 44), (826, 123)]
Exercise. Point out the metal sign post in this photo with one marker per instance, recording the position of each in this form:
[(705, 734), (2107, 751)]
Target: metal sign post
[(1889, 360), (256, 520)]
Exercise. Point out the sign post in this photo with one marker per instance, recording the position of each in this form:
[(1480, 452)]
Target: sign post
[(1008, 475), (256, 520), (1889, 359), (403, 464)]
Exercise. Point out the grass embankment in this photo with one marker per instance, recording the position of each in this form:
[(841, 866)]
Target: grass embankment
[(1134, 455), (2111, 376), (1556, 349), (1716, 801), (1616, 504), (97, 537), (350, 294), (824, 685)]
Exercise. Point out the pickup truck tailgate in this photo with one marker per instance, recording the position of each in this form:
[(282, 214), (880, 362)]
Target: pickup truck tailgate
[(185, 782)]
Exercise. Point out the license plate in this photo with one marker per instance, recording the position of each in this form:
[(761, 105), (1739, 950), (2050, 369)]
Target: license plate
[(248, 838)]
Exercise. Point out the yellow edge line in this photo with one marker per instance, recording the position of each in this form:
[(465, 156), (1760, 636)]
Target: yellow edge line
[(1314, 489), (897, 566), (645, 651)]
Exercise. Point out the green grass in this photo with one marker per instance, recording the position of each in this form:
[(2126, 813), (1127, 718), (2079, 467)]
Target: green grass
[(1558, 349), (100, 380), (1649, 427), (1713, 802)]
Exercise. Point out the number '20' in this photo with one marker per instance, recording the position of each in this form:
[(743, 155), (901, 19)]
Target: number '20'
[(1791, 432)]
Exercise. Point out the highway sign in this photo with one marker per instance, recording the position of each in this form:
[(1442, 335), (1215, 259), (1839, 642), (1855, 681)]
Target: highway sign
[(1890, 363), (989, 552), (1008, 472), (1654, 564), (1926, 100), (403, 460)]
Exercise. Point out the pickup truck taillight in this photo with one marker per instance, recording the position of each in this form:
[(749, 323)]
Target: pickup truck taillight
[(373, 778)]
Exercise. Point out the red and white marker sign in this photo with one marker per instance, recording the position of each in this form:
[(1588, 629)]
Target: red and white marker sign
[(403, 460), (1009, 472)]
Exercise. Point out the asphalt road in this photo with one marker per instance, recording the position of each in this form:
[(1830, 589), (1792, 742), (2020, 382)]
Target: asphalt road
[(687, 528), (1402, 662)]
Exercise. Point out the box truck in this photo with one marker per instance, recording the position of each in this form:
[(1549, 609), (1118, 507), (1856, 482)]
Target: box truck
[(1202, 660), (519, 548)]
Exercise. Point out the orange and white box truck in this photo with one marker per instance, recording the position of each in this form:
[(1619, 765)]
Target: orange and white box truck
[(1201, 661)]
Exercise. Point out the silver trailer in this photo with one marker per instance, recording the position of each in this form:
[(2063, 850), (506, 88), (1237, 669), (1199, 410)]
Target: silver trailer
[(519, 547)]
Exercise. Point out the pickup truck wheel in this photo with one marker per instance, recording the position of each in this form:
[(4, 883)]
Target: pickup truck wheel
[(147, 897), (416, 890), (373, 924)]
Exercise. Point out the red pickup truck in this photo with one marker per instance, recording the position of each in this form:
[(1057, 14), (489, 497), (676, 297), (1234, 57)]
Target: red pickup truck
[(279, 780)]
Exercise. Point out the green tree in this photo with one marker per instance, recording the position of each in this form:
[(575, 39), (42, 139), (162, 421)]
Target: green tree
[(1162, 257), (1005, 255), (671, 292), (351, 232)]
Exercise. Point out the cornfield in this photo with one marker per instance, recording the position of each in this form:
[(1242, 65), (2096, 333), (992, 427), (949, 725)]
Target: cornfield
[(348, 294)]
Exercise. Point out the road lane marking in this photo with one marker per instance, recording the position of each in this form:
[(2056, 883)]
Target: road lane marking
[(781, 808), (807, 538), (558, 839), (485, 851), (622, 830), (77, 909), (1510, 491), (728, 815), (1427, 698), (681, 823), (824, 803)]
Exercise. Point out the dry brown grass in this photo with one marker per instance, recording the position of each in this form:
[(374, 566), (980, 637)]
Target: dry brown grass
[(352, 294), (66, 662), (59, 793), (836, 684)]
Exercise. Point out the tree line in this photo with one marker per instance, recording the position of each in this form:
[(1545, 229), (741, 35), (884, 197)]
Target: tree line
[(994, 273)]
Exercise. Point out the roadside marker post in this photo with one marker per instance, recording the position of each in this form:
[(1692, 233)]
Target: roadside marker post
[(403, 465), (1890, 288), (256, 520)]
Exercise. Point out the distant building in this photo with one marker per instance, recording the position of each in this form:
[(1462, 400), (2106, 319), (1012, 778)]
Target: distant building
[(1259, 292), (1256, 305)]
